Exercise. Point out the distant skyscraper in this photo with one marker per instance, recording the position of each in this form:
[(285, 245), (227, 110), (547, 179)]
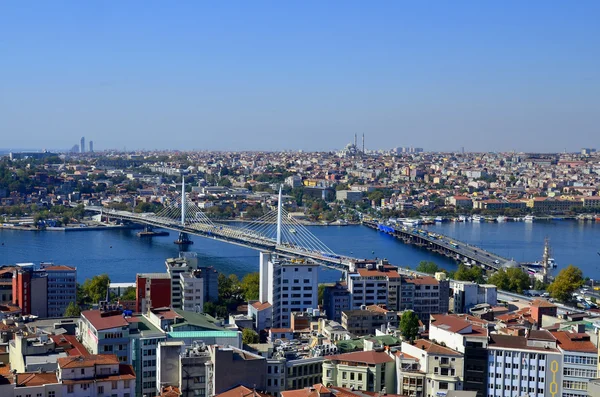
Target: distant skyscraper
[(91, 146), (82, 145)]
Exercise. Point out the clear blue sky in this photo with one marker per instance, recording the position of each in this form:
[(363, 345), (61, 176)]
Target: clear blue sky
[(486, 75)]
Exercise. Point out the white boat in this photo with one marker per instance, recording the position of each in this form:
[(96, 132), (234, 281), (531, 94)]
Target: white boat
[(411, 222), (501, 219), (439, 219), (529, 218), (462, 218), (477, 218)]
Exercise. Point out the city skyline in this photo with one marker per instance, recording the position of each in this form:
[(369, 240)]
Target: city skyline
[(254, 77)]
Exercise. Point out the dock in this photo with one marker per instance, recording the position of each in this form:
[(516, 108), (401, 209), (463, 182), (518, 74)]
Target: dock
[(460, 251)]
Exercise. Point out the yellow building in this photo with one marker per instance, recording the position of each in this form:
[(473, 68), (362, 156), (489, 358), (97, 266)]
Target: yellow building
[(362, 370)]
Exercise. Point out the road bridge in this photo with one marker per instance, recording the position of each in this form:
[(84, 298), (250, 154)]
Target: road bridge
[(444, 245)]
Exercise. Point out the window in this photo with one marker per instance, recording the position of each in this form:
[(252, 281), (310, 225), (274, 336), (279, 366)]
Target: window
[(100, 389), (443, 385), (344, 375), (51, 393), (70, 388), (115, 384)]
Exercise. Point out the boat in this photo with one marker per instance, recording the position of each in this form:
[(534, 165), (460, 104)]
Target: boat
[(476, 218), (292, 230), (501, 219), (439, 219), (151, 233), (462, 218), (411, 222), (528, 218)]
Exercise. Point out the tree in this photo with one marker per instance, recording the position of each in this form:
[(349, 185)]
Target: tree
[(94, 289), (565, 283), (512, 279), (249, 336), (129, 294), (409, 325), (465, 273), (250, 286), (229, 287), (427, 267), (73, 310)]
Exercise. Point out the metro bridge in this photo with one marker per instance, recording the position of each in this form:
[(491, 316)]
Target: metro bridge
[(275, 231)]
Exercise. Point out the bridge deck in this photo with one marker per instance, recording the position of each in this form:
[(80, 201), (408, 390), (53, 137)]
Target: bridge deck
[(458, 250)]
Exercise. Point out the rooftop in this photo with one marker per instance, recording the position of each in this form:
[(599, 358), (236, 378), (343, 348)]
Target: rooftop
[(29, 379), (87, 361), (105, 320), (572, 341), (241, 391), (362, 357), (434, 348)]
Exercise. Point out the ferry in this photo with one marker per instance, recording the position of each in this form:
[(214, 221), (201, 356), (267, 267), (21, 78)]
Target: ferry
[(528, 218)]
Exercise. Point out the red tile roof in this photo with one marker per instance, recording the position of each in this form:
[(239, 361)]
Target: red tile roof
[(241, 391), (572, 341), (433, 348), (101, 322), (36, 379), (70, 344), (59, 268), (261, 305), (364, 357), (87, 361)]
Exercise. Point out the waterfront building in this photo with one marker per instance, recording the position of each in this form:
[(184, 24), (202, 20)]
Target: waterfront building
[(289, 286), (443, 366), (366, 370), (336, 298), (44, 292), (524, 365), (61, 289), (580, 361), (369, 319)]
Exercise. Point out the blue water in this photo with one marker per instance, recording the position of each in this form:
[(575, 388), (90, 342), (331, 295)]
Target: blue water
[(121, 254)]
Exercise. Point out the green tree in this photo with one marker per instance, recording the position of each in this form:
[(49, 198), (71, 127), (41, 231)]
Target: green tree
[(94, 289), (250, 286), (229, 287), (427, 267), (73, 310), (376, 195), (565, 283), (409, 325), (465, 273), (249, 336), (512, 279), (129, 294)]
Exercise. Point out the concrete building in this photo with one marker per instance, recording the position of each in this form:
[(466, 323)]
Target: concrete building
[(261, 314), (524, 365), (185, 367), (105, 332), (466, 294), (467, 335), (375, 284), (368, 319), (350, 195), (288, 286), (152, 290), (580, 361), (175, 268), (61, 288), (425, 295), (82, 145), (366, 370), (95, 375), (336, 298), (410, 380), (30, 289), (192, 291), (233, 367)]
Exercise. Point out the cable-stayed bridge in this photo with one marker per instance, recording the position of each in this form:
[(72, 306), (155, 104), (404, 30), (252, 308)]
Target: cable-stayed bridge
[(275, 231)]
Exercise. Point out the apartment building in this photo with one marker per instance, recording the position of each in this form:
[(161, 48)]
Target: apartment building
[(467, 335), (232, 367), (363, 370), (152, 290), (95, 375), (425, 295), (466, 294), (524, 365), (289, 286), (368, 319), (410, 377), (336, 298), (443, 366), (61, 289), (374, 284), (580, 361)]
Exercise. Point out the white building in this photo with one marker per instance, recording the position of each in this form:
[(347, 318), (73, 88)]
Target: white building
[(175, 268), (467, 294), (374, 285), (192, 291), (289, 286), (95, 375), (580, 361), (528, 365), (261, 314)]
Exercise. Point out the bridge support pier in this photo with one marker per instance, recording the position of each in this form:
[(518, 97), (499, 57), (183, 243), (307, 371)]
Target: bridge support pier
[(184, 239)]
